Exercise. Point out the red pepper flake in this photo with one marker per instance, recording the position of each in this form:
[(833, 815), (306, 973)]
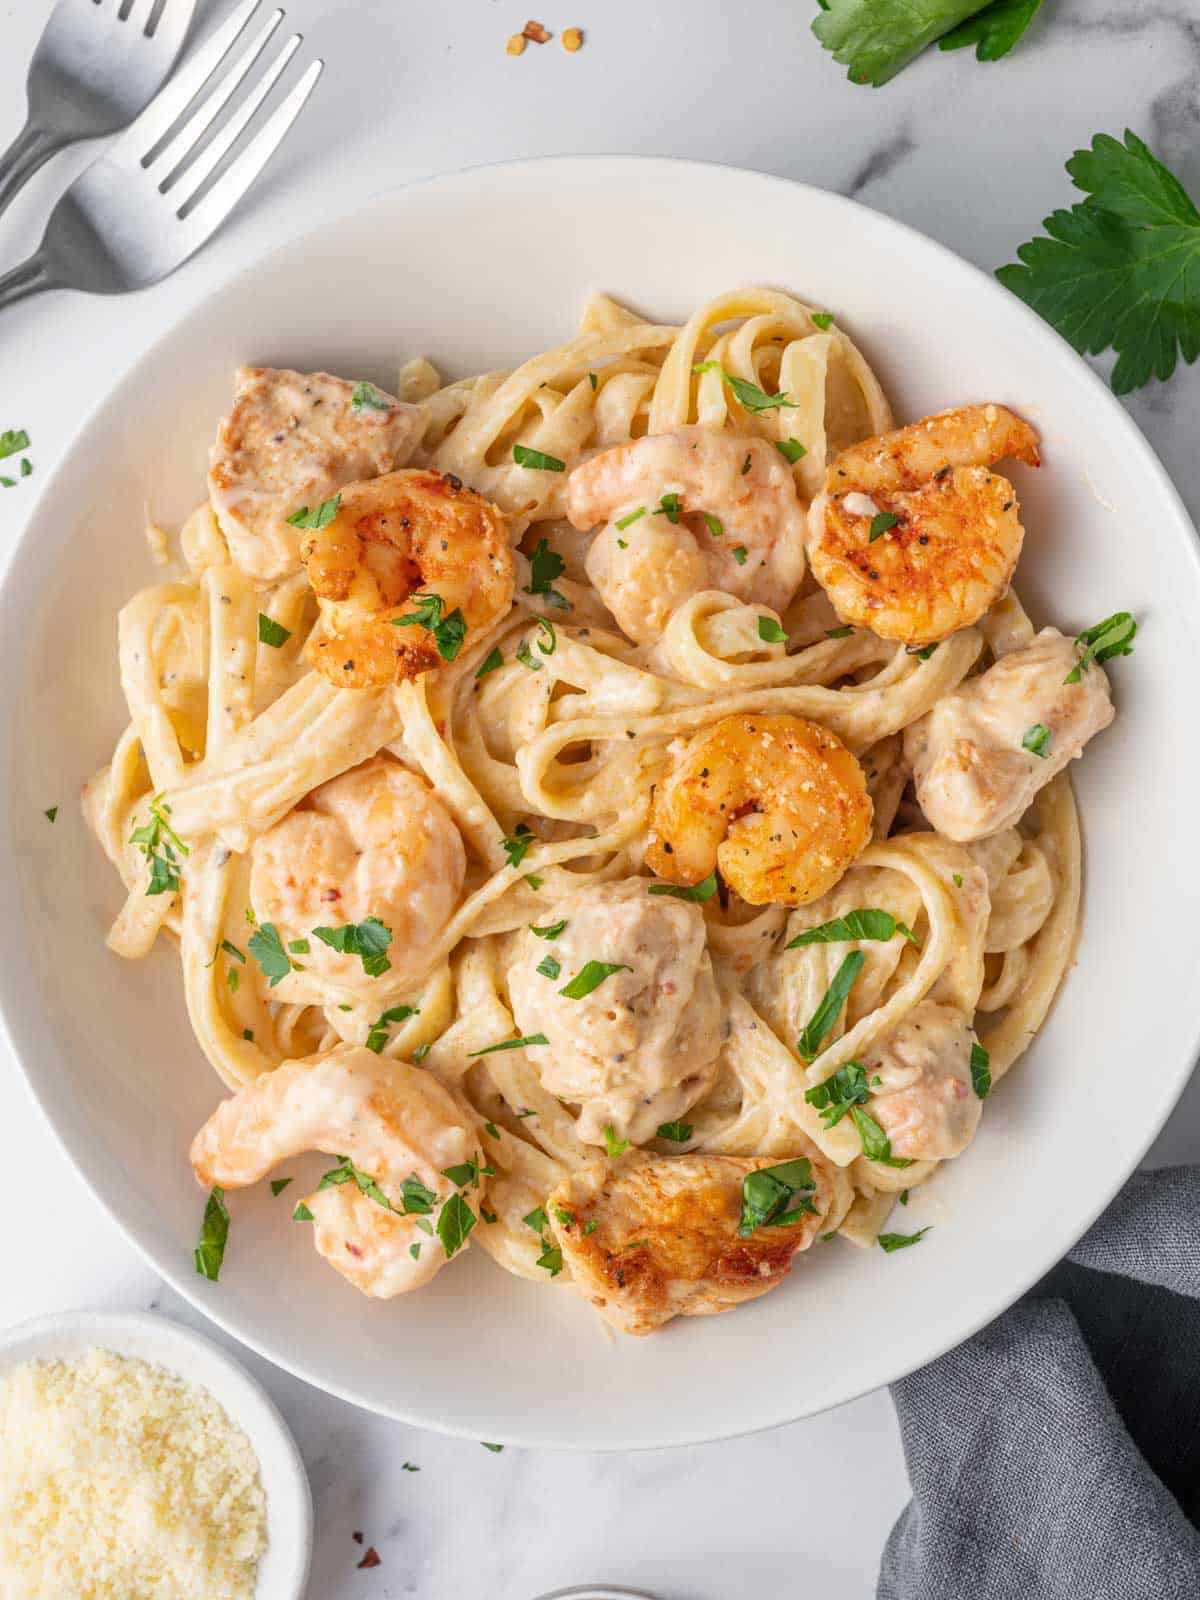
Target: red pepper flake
[(357, 1536), (536, 32), (371, 1559)]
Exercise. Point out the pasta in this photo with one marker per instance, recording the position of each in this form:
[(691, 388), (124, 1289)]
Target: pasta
[(358, 872)]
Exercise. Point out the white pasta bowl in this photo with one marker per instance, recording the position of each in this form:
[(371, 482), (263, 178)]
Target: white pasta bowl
[(283, 1570), (479, 270)]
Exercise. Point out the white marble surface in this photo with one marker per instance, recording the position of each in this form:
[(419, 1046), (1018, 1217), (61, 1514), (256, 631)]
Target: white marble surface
[(970, 154)]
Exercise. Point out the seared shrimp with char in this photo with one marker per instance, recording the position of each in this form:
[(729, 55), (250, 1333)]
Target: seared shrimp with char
[(686, 511), (914, 537), (777, 803), (408, 566), (291, 441), (397, 1125)]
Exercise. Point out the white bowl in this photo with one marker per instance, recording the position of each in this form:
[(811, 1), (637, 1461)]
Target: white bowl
[(283, 1570), (479, 270)]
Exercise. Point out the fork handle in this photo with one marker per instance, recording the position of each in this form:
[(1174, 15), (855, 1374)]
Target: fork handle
[(31, 277), (31, 149)]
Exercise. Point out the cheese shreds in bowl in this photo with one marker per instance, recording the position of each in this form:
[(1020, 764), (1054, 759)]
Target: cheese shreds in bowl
[(120, 1480)]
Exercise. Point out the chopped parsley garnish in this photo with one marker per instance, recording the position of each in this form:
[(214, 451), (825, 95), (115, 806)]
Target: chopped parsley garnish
[(495, 1448), (981, 1070), (827, 1013), (746, 464), (714, 524), (347, 1172), (1121, 268), (320, 517), (566, 1218), (368, 940), (671, 507), (904, 1194), (880, 523), (490, 662), (517, 844), (614, 1146), (550, 931), (677, 1132), (302, 1213), (525, 457), (26, 467), (512, 1044), (278, 1185), (790, 449), (547, 629), (840, 1093), (533, 881), (272, 632), (869, 923), (628, 522), (490, 1127), (549, 967), (921, 654), (378, 1035), (775, 1197), (488, 1216), (823, 320), (590, 1226), (214, 1231), (1037, 740), (366, 394), (901, 1241), (749, 396), (527, 658), (12, 441), (593, 380), (466, 1174), (414, 1251), (50, 813), (704, 890), (958, 880), (770, 632), (590, 976), (876, 1144), (448, 631), (544, 566), (839, 633), (161, 846), (739, 553), (537, 1220), (232, 979), (233, 951), (551, 1258), (455, 1221), (1112, 637)]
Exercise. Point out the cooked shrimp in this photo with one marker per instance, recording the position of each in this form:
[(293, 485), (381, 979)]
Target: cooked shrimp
[(394, 1122), (954, 532), (404, 554), (374, 842), (777, 803), (921, 1091), (664, 1239), (294, 439), (702, 510), (641, 1049), (983, 752)]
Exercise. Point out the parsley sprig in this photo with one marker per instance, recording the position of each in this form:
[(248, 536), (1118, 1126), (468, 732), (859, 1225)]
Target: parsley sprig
[(368, 940), (162, 848), (775, 1197), (448, 630), (876, 39)]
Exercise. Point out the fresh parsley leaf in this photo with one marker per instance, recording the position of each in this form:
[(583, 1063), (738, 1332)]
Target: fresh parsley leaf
[(26, 467), (922, 654), (162, 847), (827, 1013), (368, 940), (994, 30), (1037, 740), (749, 396), (677, 1132), (790, 449), (377, 1037), (547, 629), (614, 1146), (525, 457), (8, 483), (214, 1231), (455, 1221), (775, 1197), (544, 566), (1112, 637), (627, 522), (876, 1144), (770, 632), (367, 395), (593, 380), (13, 440), (549, 967), (550, 931), (839, 633), (494, 1448), (320, 517), (739, 554), (880, 523), (272, 632), (299, 947), (516, 846), (527, 658), (981, 1070), (590, 976), (704, 890), (448, 631), (904, 1194), (868, 923), (302, 1213), (233, 979), (840, 1093), (416, 1199), (512, 1044), (823, 320), (876, 39), (714, 525), (900, 1241), (958, 880), (50, 813), (1120, 269), (537, 1220), (533, 881), (551, 1258), (465, 1174), (278, 1185), (490, 662), (671, 507)]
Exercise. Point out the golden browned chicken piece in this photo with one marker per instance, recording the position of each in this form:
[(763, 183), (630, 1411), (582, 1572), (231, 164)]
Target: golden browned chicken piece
[(913, 537), (656, 1237)]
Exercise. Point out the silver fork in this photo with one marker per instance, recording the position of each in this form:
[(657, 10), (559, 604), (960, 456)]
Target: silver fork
[(97, 64), (143, 207)]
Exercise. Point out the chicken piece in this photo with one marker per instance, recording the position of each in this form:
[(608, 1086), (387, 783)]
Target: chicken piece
[(666, 1239), (292, 440), (641, 1048), (983, 752), (920, 1080)]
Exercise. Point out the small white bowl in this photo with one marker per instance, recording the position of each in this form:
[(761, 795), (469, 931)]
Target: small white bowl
[(283, 1571)]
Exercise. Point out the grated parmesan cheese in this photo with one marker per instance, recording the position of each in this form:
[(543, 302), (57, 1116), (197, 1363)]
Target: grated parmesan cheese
[(120, 1480)]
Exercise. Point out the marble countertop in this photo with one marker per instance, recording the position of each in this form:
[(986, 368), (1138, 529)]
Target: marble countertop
[(968, 153)]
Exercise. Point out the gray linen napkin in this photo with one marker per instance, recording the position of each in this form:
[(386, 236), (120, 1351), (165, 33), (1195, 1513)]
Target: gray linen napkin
[(1056, 1455)]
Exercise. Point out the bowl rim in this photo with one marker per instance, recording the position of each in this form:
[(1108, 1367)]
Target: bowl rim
[(1056, 349)]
